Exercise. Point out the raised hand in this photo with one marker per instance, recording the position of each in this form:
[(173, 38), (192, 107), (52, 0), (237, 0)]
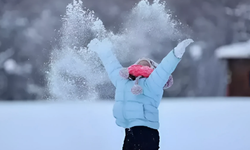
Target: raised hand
[(180, 49), (98, 46)]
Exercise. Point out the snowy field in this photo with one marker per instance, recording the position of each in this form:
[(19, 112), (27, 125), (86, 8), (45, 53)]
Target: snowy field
[(186, 124)]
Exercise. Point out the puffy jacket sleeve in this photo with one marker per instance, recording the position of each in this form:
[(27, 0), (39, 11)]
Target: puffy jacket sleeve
[(111, 64), (159, 77)]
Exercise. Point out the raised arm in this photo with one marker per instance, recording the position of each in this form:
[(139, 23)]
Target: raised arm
[(160, 75), (104, 50)]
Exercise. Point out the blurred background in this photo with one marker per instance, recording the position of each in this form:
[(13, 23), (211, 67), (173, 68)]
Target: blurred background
[(207, 108), (217, 64)]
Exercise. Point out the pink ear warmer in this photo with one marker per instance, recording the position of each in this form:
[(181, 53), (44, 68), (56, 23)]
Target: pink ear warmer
[(141, 72), (138, 70)]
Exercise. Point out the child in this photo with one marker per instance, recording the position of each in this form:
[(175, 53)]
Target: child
[(139, 90)]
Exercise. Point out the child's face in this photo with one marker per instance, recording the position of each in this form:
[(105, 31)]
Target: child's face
[(144, 63)]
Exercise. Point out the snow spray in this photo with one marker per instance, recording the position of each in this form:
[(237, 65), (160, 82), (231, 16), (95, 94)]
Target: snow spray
[(76, 72)]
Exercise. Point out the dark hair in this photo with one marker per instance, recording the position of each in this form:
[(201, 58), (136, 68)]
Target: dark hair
[(131, 77)]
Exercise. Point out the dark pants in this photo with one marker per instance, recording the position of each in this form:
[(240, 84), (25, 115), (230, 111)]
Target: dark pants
[(141, 138)]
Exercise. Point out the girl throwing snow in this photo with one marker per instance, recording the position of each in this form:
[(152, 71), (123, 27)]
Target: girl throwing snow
[(139, 90)]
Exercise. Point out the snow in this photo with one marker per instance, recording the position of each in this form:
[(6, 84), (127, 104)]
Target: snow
[(10, 65), (196, 51), (73, 65), (186, 124), (237, 50), (5, 55)]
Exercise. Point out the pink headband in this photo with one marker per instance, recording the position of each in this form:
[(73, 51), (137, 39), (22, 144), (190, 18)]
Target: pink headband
[(141, 72)]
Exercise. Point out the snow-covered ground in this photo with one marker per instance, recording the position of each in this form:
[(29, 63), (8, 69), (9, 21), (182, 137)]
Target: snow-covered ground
[(186, 124)]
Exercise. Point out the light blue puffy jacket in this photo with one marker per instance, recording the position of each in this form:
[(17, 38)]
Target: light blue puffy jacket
[(138, 110)]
